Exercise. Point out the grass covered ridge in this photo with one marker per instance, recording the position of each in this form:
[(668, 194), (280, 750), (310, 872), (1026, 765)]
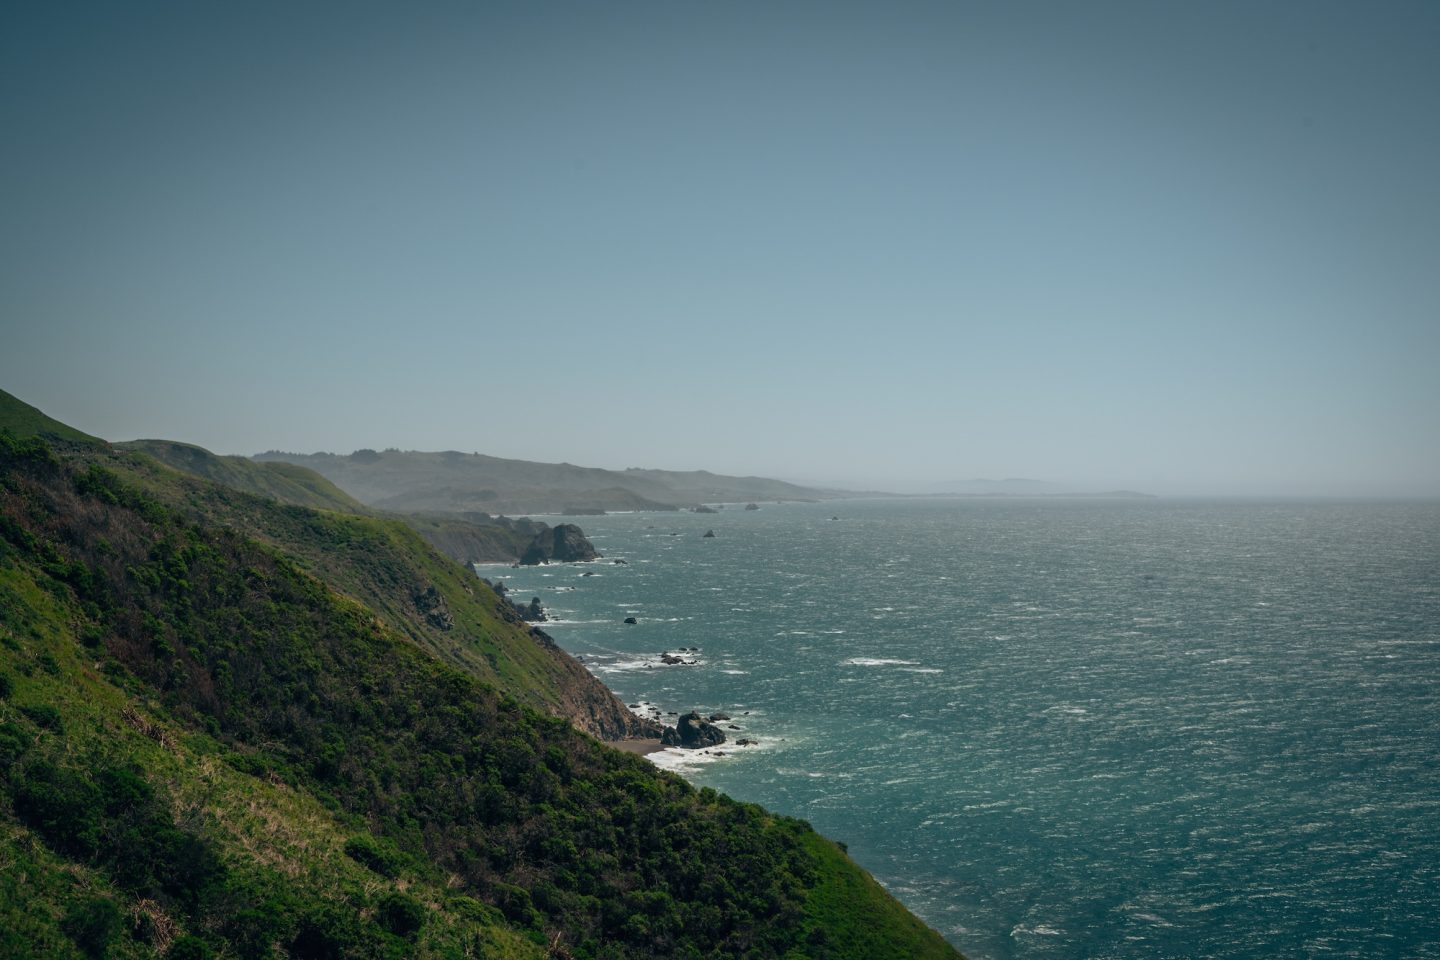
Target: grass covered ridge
[(252, 758)]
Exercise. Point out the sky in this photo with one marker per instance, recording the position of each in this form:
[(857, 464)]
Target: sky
[(1187, 248)]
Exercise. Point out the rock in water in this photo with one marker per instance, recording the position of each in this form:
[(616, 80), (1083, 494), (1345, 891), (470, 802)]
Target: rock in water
[(692, 732), (752, 506), (565, 543), (708, 534), (534, 613)]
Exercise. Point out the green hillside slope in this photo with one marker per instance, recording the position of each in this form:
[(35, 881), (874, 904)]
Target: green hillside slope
[(23, 420), (468, 538), (381, 562), (282, 481), (213, 748)]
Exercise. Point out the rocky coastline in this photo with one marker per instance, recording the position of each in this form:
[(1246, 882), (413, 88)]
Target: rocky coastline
[(653, 730)]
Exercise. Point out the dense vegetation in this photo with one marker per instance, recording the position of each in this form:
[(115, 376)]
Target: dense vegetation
[(383, 563), (215, 747)]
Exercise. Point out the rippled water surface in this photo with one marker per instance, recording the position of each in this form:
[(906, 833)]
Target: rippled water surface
[(1062, 728)]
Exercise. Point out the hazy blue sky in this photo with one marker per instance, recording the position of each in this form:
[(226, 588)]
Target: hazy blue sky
[(1177, 247)]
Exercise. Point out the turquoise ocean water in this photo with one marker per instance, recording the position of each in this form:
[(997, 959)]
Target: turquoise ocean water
[(1062, 728)]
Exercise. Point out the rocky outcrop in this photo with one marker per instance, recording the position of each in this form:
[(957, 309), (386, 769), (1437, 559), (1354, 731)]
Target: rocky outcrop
[(692, 732), (513, 612), (589, 704), (752, 506), (708, 535), (477, 537), (705, 509), (565, 543), (433, 608)]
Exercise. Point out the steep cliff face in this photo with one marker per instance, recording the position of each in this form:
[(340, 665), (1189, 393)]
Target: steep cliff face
[(589, 704)]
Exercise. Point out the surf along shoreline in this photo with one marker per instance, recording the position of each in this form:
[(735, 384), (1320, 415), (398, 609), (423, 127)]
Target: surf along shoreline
[(687, 737)]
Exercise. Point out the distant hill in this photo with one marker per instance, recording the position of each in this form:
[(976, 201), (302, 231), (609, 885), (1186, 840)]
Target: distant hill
[(453, 482), (1009, 487), (1022, 487)]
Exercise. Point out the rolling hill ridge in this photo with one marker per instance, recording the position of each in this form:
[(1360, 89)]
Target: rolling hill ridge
[(454, 482)]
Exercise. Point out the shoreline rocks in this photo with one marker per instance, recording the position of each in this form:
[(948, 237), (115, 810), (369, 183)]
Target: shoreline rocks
[(692, 732), (565, 543)]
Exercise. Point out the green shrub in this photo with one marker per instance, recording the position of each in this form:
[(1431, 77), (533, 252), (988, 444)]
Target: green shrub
[(92, 924), (327, 933), (60, 805), (400, 915), (13, 743), (45, 716), (189, 948), (379, 856)]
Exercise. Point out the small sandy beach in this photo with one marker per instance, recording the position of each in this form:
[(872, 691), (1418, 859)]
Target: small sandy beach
[(640, 747)]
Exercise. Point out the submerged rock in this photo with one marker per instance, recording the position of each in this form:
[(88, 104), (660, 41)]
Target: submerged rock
[(631, 620), (708, 534)]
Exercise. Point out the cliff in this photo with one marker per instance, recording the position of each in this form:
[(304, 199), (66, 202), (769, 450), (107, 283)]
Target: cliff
[(236, 727)]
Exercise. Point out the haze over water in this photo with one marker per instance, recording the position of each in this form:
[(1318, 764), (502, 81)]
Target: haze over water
[(1064, 728)]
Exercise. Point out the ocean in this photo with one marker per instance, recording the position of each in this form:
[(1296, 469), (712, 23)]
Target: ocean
[(1060, 728)]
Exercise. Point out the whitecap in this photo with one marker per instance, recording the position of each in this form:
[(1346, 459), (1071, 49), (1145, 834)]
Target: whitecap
[(1040, 930), (679, 759), (876, 662)]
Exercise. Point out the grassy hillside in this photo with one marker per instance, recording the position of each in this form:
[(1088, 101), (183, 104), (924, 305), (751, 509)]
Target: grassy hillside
[(23, 420), (453, 482), (380, 561), (467, 538), (217, 747), (277, 479)]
